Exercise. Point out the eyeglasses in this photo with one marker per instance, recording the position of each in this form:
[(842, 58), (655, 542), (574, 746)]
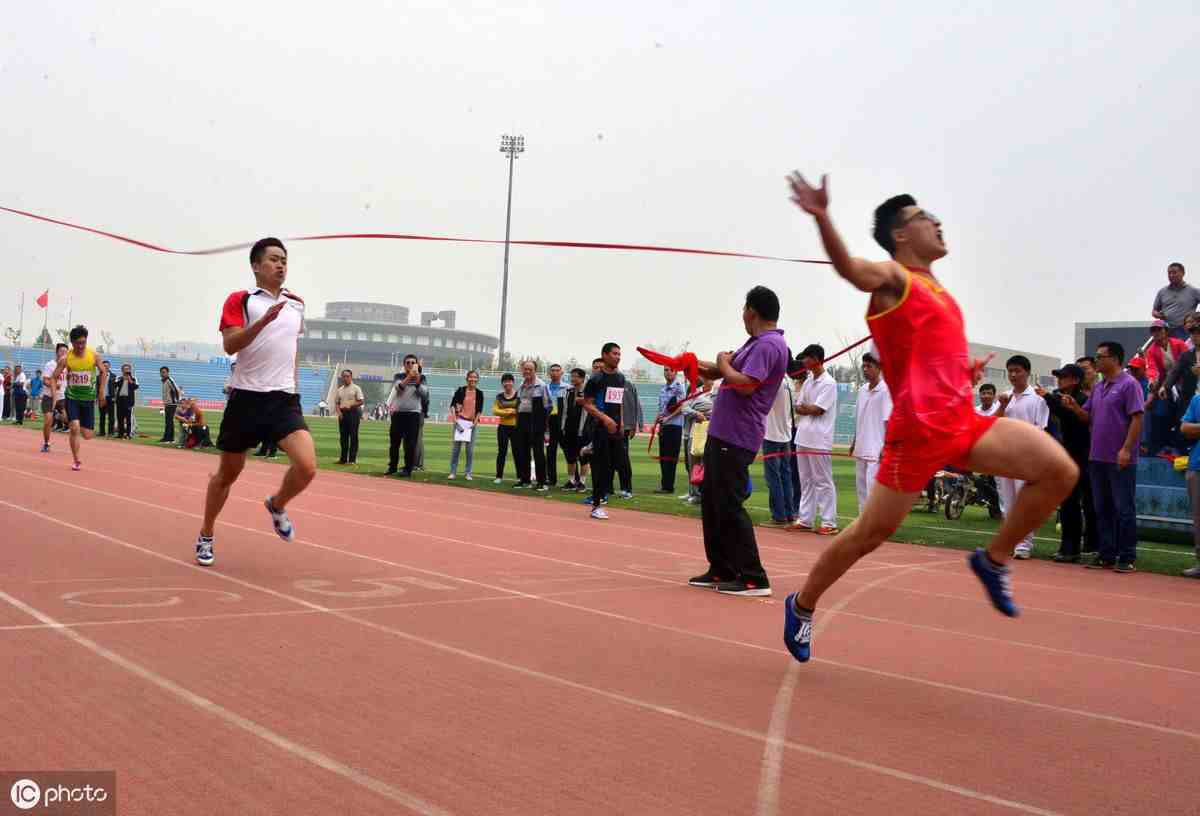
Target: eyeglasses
[(922, 214)]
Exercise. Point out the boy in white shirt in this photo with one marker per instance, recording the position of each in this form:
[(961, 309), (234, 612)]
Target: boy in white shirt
[(988, 406), (777, 455), (1022, 403), (816, 413), (872, 411)]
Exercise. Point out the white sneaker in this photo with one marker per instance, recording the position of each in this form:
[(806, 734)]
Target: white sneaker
[(204, 551), (280, 520), (1021, 553), (599, 513), (497, 481), (450, 476), (468, 477)]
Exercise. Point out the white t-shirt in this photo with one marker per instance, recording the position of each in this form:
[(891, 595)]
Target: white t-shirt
[(779, 418), (872, 412), (979, 409), (269, 362), (1028, 407), (816, 432), (60, 388)]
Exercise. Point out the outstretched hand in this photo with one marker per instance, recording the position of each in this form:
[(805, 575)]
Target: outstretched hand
[(978, 367), (813, 200)]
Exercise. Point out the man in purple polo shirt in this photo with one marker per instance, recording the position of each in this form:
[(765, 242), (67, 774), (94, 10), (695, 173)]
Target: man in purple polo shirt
[(1114, 411), (751, 377)]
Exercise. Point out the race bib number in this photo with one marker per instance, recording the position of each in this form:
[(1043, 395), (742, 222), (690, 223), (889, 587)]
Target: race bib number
[(614, 396), (79, 378)]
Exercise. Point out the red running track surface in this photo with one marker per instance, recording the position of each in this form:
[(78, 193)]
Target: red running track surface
[(429, 649)]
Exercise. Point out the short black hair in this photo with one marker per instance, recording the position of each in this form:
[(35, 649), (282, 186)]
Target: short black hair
[(554, 365), (261, 245), (1115, 349), (1176, 263), (78, 332), (815, 351), (609, 346), (987, 387), (598, 360), (764, 302), (347, 371), (472, 371), (580, 372), (870, 358), (57, 346), (165, 368), (506, 377), (1019, 360), (886, 216), (412, 357), (1087, 358)]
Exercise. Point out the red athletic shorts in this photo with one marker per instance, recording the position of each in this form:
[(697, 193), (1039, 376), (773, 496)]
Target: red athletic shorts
[(911, 458)]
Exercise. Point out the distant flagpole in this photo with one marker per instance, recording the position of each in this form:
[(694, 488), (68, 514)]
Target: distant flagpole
[(21, 322)]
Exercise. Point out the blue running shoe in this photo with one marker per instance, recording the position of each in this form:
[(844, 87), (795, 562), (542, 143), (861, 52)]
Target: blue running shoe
[(45, 447), (797, 631), (279, 518), (996, 580)]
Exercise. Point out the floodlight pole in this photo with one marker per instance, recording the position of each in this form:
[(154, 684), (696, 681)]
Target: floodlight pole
[(511, 146)]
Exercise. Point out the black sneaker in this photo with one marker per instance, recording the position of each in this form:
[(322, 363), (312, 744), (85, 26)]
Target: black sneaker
[(1124, 566), (1192, 572), (708, 580), (1099, 564), (390, 472), (1064, 558), (748, 589)]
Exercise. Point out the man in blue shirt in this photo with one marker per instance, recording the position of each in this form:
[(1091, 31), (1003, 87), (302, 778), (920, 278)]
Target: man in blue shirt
[(670, 430), (554, 422), (1190, 428)]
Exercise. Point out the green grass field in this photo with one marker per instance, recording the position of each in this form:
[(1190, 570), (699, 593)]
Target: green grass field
[(921, 527)]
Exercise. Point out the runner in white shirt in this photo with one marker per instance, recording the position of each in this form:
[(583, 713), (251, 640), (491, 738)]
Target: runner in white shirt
[(262, 326), (988, 406), (816, 414), (52, 391), (872, 412), (1022, 403)]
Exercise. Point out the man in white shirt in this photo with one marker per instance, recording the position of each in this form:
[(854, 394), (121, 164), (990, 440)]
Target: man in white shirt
[(777, 455), (872, 412), (52, 391), (988, 406), (816, 413), (1022, 403)]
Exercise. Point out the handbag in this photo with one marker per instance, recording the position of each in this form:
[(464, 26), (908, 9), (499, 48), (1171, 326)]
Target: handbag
[(697, 476)]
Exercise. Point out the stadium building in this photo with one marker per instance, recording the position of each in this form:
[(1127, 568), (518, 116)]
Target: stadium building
[(380, 334)]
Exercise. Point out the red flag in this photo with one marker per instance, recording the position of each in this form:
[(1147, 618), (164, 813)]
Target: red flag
[(44, 299)]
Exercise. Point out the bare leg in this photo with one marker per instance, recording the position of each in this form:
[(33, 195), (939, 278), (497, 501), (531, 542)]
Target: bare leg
[(302, 454), (228, 470), (884, 511), (47, 423), (75, 439), (1020, 451)]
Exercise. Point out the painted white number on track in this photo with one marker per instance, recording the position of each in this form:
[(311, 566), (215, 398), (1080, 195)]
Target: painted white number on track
[(383, 587), (77, 598)]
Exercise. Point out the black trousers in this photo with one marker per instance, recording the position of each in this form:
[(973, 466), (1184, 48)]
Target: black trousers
[(729, 541), (7, 403), (124, 416), (529, 442), (348, 434), (670, 439), (405, 425), (1078, 516), (504, 435), (622, 465), (108, 417), (606, 452), (169, 430), (19, 402), (555, 428)]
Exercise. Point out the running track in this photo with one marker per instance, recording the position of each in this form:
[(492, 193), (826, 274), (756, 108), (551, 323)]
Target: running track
[(432, 650)]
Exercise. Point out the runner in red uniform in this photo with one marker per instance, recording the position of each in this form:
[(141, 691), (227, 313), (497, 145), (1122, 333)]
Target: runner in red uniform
[(918, 330)]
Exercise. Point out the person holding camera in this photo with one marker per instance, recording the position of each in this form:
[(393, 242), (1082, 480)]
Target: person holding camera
[(126, 387), (404, 404)]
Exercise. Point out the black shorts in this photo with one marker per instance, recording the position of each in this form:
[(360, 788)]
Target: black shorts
[(83, 412), (47, 404), (571, 446), (252, 417)]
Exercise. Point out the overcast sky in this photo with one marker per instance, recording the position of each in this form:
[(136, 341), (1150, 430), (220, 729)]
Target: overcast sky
[(1057, 141)]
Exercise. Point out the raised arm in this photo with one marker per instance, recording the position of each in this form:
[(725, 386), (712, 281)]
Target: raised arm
[(864, 275)]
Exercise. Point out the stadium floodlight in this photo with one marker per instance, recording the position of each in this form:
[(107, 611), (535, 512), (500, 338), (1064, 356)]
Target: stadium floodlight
[(511, 146)]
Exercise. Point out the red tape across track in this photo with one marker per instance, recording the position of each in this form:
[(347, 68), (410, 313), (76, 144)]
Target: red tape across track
[(398, 236)]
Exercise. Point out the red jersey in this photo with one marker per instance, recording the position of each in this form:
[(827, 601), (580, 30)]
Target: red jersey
[(922, 346)]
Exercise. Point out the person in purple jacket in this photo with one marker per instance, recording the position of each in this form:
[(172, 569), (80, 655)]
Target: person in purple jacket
[(751, 377), (1114, 410)]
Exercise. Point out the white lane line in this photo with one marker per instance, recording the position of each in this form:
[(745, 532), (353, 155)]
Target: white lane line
[(400, 796), (321, 760)]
